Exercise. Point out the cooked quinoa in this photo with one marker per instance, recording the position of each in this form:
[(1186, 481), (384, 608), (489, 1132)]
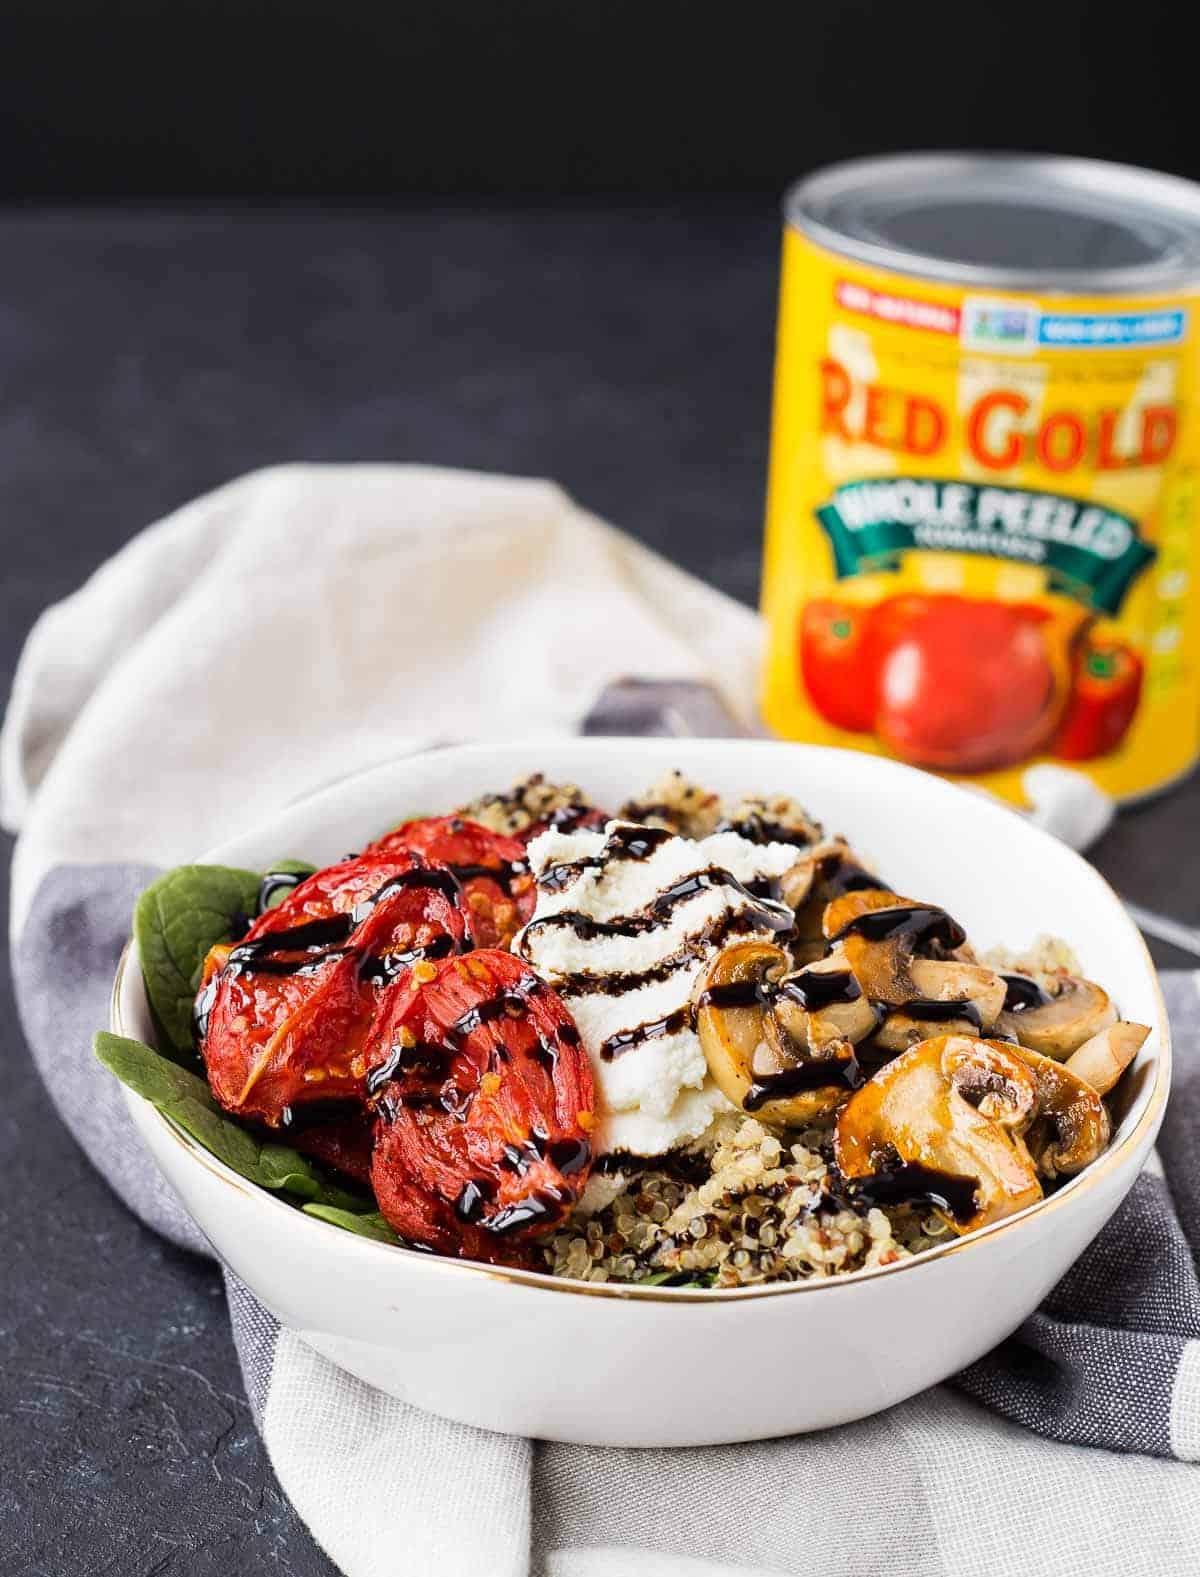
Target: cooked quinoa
[(750, 1204), (525, 805)]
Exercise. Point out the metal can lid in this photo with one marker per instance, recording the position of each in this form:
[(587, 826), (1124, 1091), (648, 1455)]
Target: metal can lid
[(1016, 221)]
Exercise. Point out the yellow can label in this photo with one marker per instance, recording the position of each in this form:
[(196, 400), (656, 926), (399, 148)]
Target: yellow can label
[(981, 526)]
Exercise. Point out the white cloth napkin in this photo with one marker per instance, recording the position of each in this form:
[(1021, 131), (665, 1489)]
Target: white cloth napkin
[(305, 622)]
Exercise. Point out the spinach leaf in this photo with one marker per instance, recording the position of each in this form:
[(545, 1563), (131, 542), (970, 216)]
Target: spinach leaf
[(279, 879), (186, 1098), (175, 922), (369, 1224), (677, 1278)]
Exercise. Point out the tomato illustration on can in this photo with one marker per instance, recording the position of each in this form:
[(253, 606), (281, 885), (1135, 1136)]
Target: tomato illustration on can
[(953, 683)]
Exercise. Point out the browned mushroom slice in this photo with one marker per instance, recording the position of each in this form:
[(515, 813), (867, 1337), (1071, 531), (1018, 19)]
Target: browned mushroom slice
[(820, 1006), (1102, 1060), (1059, 1022), (1071, 1126), (947, 997), (950, 1112), (774, 1075), (850, 906), (821, 873)]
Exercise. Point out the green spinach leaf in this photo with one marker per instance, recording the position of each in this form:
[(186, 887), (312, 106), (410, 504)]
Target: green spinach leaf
[(677, 1278), (186, 1099), (175, 922), (369, 1224)]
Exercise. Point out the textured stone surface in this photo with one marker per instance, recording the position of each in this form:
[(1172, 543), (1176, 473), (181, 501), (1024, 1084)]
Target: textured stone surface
[(145, 357)]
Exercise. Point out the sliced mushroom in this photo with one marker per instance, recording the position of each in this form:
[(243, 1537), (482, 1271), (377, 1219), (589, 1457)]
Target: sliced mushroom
[(1076, 1010), (952, 1111), (1072, 1126), (821, 1004), (811, 883), (938, 986), (760, 1064), (1102, 1060), (849, 906)]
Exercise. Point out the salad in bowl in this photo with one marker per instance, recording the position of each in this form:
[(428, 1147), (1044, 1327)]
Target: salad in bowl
[(691, 1039)]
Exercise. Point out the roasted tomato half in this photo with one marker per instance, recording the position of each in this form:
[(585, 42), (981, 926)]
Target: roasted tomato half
[(282, 1016), (340, 1141), (484, 1095), (494, 873)]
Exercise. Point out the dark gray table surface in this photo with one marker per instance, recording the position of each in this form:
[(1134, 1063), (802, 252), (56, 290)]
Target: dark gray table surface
[(146, 356)]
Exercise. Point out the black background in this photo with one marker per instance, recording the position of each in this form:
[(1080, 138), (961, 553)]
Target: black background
[(119, 98)]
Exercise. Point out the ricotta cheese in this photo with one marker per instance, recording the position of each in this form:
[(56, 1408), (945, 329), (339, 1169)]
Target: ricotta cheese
[(626, 923)]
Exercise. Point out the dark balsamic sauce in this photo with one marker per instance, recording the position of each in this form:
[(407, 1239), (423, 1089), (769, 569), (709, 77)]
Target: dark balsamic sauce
[(567, 817), (805, 1076), (810, 989), (475, 1193), (506, 874), (522, 1214), (310, 937), (932, 1012), (202, 1010), (315, 1114), (919, 924), (851, 878), (814, 989), (653, 1029), (569, 1155), (380, 969), (426, 1059), (768, 914), (275, 882), (623, 843), (757, 828), (736, 994), (1021, 993), (436, 880), (907, 1182), (715, 934)]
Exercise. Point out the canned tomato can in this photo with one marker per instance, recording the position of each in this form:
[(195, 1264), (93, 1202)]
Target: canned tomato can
[(982, 513)]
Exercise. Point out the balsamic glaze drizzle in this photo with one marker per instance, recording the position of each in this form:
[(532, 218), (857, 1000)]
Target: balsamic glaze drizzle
[(919, 924), (653, 1029), (1022, 993), (757, 828), (817, 1074), (505, 875), (624, 842), (277, 882), (937, 1012), (898, 1182), (766, 912)]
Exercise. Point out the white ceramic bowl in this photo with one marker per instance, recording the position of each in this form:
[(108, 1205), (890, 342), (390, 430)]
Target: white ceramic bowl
[(605, 1365)]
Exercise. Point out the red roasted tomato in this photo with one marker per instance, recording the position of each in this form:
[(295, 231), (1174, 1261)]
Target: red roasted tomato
[(485, 1104), (493, 871), (344, 1144), (282, 1015), (966, 685)]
